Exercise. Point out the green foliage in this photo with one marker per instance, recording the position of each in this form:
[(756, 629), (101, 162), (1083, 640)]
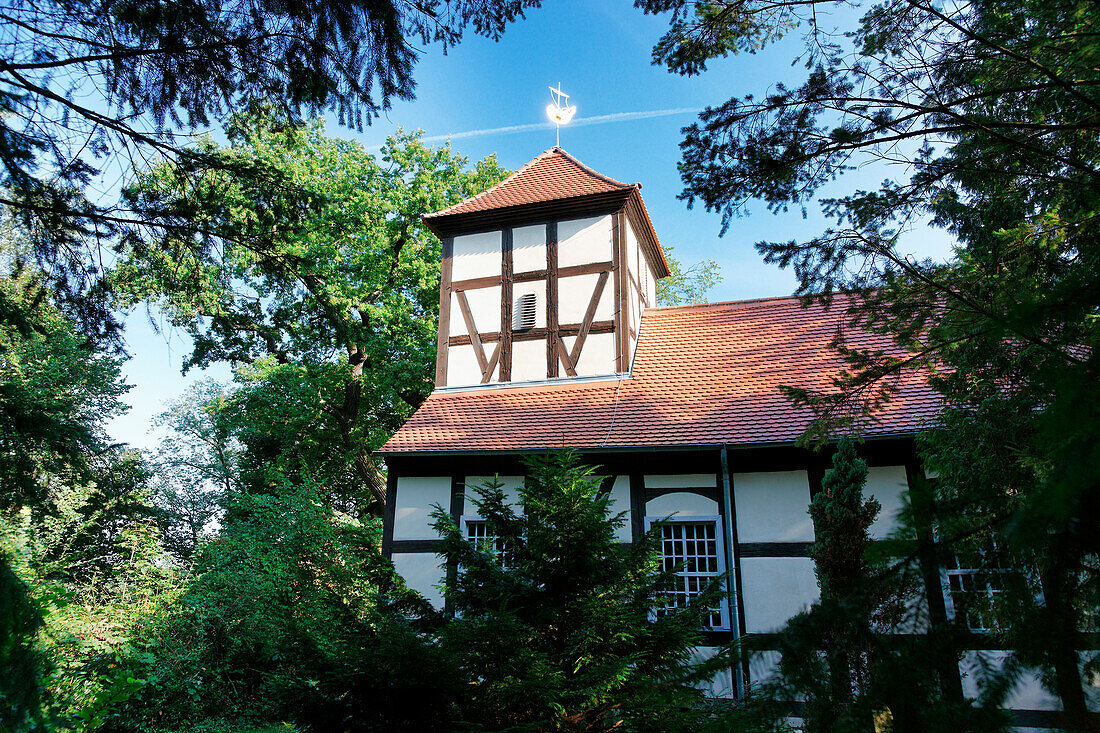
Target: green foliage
[(306, 258), (842, 518), (91, 86), (842, 657), (687, 286), (552, 626), (991, 112), (292, 614), (55, 388)]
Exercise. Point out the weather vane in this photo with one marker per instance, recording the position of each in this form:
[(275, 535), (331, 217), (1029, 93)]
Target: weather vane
[(559, 111)]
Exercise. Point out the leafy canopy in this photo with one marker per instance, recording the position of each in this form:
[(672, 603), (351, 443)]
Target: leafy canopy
[(91, 90), (305, 260)]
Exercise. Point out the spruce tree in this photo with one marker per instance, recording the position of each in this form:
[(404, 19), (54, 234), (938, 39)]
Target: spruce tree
[(845, 657), (554, 625)]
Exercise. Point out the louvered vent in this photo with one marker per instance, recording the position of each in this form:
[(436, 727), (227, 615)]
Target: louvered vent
[(523, 315)]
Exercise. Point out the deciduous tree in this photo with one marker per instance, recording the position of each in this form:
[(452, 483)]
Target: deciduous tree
[(318, 273), (90, 90)]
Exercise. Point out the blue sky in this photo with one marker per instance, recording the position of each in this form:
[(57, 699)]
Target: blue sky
[(600, 53)]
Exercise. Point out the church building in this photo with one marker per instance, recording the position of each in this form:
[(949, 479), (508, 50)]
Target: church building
[(550, 337)]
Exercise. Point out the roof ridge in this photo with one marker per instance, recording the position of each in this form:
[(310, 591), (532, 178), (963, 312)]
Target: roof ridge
[(722, 303), (556, 150), (588, 169)]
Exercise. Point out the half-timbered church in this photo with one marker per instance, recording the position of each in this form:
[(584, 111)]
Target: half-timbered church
[(550, 337)]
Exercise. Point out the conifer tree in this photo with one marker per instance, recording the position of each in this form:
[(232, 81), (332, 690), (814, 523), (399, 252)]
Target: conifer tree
[(843, 656), (554, 625)]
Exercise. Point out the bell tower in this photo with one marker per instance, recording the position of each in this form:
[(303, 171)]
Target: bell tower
[(544, 276)]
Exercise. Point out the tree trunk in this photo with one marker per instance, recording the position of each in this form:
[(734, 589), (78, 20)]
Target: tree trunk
[(1061, 633)]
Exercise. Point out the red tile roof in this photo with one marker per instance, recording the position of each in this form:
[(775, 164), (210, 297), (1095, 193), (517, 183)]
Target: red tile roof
[(703, 375), (553, 175)]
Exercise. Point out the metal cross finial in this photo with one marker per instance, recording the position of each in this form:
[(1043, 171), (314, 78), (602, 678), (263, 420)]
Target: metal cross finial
[(559, 111)]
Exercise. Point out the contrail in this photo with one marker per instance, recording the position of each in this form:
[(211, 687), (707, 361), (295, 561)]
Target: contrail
[(597, 120)]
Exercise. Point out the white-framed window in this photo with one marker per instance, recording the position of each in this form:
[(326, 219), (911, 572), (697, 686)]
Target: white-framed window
[(478, 533), (973, 581), (693, 546)]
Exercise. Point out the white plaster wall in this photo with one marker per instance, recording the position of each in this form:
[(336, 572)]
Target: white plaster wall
[(581, 241), (632, 254), (635, 301), (462, 366), (539, 289), (620, 502), (762, 666), (774, 589), (512, 485), (597, 356), (575, 293), (650, 286), (422, 571), (529, 248), (528, 360), (680, 480), (889, 486), (412, 512), (681, 504), (773, 506), (721, 685), (484, 307), (1028, 694), (476, 255)]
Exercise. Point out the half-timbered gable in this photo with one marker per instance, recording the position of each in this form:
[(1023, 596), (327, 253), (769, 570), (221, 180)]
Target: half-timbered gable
[(544, 276)]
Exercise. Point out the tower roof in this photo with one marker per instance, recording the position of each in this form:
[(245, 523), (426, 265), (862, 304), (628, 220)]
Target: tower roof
[(554, 184), (555, 174)]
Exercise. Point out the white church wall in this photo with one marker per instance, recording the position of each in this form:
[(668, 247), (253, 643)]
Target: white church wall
[(773, 506), (889, 486), (529, 248), (597, 356), (774, 589), (1027, 694), (581, 241), (575, 293), (484, 308), (528, 360), (476, 255), (721, 685), (462, 366), (511, 486), (620, 502), (422, 571), (680, 480), (413, 508), (681, 504)]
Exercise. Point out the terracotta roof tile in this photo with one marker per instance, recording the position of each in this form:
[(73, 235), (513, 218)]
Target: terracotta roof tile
[(703, 375), (553, 175)]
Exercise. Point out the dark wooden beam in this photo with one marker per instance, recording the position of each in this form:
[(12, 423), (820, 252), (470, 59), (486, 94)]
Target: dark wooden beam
[(444, 314), (506, 307), (536, 334), (774, 549), (471, 330), (566, 360), (552, 299), (617, 265), (575, 207), (586, 324), (624, 294), (389, 512), (487, 374)]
